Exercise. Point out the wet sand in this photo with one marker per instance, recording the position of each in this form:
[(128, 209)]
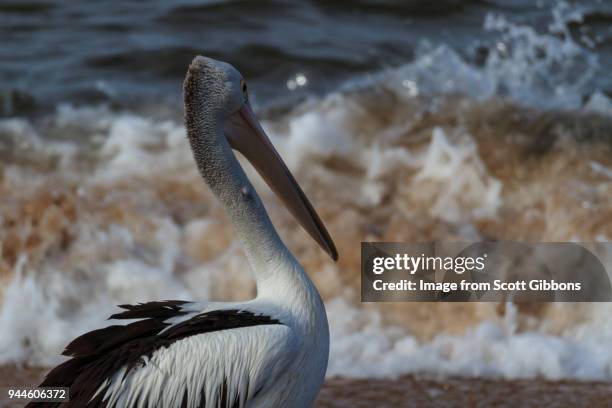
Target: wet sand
[(423, 392), (416, 391)]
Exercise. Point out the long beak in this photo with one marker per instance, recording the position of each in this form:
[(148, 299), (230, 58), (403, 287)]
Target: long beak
[(246, 135)]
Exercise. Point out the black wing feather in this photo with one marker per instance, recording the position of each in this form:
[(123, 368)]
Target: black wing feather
[(99, 354), (157, 310)]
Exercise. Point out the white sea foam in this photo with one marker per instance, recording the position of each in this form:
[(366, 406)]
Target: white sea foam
[(462, 176), (43, 309), (547, 70), (363, 347)]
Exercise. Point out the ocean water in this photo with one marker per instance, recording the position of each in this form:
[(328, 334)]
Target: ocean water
[(443, 120)]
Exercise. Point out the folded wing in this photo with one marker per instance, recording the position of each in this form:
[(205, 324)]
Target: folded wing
[(218, 358)]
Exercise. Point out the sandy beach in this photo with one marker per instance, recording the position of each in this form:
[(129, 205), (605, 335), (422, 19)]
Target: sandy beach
[(415, 391)]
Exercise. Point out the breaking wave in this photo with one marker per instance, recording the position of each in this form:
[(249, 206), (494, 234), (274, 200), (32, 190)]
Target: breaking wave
[(102, 207)]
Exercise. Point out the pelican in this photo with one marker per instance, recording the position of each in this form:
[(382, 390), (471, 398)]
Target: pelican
[(271, 351)]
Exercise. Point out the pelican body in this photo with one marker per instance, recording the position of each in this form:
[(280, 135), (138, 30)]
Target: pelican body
[(271, 351)]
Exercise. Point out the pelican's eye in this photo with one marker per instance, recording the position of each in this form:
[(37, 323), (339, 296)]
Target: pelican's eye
[(243, 88)]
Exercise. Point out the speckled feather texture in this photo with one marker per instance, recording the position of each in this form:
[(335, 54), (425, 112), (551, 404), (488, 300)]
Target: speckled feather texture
[(207, 105)]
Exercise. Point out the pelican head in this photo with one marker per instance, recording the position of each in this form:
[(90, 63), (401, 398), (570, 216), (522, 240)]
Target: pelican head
[(218, 116)]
